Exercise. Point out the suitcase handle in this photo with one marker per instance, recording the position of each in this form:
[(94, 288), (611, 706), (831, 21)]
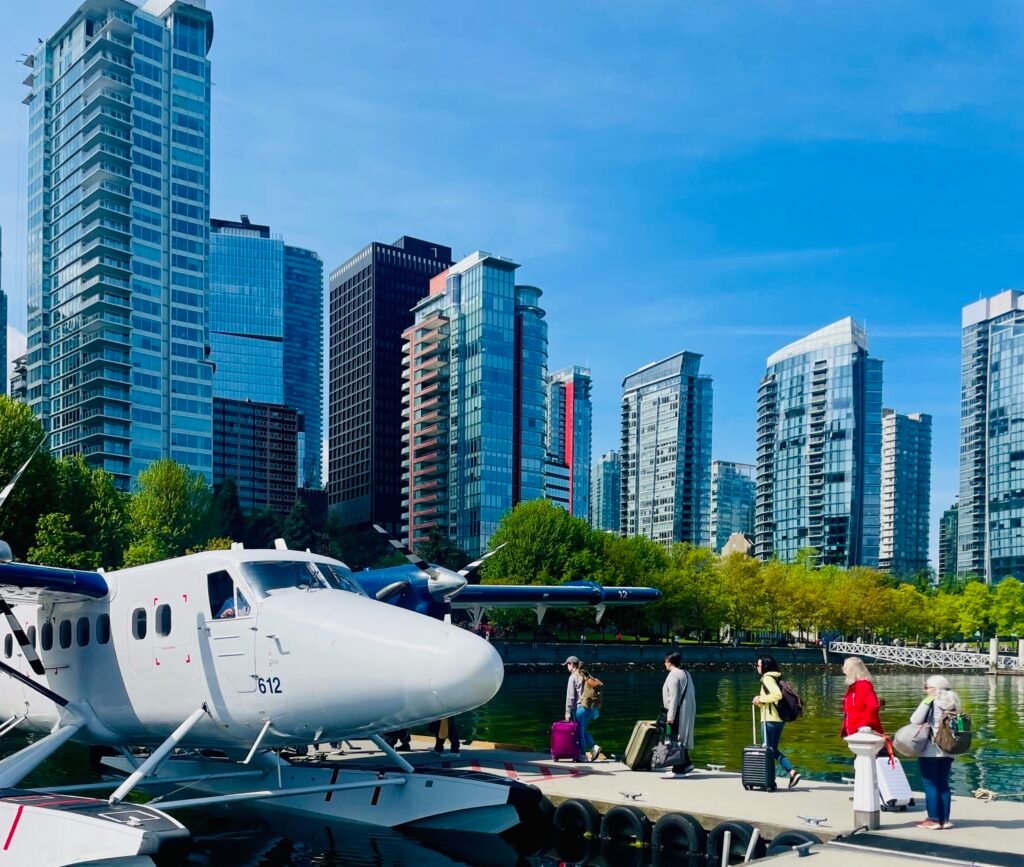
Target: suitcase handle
[(753, 723)]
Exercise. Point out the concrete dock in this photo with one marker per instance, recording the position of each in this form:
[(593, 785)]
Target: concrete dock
[(983, 833)]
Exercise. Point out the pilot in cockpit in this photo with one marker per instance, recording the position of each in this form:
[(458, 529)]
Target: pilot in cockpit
[(228, 609)]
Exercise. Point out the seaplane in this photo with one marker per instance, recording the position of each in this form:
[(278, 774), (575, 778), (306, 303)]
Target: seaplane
[(199, 674)]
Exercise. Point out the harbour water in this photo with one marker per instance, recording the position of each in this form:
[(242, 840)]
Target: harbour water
[(522, 714)]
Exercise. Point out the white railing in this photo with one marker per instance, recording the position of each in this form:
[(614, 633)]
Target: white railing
[(921, 657)]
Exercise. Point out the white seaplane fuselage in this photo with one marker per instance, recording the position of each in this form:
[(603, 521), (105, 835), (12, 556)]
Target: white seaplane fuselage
[(316, 662)]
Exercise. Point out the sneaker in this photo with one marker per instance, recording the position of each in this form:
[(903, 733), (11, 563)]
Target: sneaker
[(929, 825), (946, 826), (686, 770), (794, 778), (595, 751)]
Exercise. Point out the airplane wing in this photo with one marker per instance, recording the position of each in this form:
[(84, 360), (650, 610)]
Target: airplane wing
[(475, 598), (25, 581), (615, 596)]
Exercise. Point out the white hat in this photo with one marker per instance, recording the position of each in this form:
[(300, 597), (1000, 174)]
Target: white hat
[(937, 681)]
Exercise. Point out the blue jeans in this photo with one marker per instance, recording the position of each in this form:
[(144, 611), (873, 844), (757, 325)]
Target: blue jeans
[(772, 734), (584, 717), (935, 776)]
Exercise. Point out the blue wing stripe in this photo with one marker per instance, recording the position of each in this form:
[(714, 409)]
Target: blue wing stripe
[(29, 576)]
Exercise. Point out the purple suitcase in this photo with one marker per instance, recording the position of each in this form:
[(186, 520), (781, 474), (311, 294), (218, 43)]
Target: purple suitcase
[(565, 740)]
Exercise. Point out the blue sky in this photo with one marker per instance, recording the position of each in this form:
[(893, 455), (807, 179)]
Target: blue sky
[(721, 178)]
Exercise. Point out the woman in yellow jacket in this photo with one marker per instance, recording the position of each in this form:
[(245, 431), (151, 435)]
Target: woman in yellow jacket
[(771, 723)]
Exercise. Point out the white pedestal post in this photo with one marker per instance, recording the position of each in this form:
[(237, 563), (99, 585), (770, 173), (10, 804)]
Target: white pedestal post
[(1020, 653), (993, 654), (865, 745)]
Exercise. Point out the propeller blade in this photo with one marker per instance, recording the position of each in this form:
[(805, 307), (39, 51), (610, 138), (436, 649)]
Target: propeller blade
[(19, 635), (413, 558), (470, 570), (6, 492)]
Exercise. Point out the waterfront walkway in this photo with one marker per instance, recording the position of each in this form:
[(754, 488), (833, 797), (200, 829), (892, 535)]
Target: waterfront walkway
[(994, 829)]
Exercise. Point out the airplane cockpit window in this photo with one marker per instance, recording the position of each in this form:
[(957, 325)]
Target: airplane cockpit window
[(83, 631), (46, 636), (139, 623), (103, 629), (270, 575), (225, 600), (8, 645), (163, 620), (64, 635)]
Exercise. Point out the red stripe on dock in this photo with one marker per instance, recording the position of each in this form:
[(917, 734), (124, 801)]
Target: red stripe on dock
[(14, 826), (376, 796), (334, 779), (511, 771)]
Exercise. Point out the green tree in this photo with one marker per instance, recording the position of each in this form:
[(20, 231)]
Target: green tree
[(226, 516), (438, 548), (1008, 608), (543, 544), (298, 530), (743, 593), (20, 433), (263, 528), (58, 543), (696, 584), (168, 512), (975, 610)]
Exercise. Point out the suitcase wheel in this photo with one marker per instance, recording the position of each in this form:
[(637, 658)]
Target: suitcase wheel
[(745, 786)]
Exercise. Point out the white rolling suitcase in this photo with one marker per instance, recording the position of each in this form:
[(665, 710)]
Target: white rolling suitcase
[(893, 787)]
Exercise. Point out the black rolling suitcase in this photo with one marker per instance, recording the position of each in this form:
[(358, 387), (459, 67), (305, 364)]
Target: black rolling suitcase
[(758, 762)]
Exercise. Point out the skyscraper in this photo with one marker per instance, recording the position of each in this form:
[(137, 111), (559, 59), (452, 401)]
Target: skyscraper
[(569, 426), (606, 493), (819, 444), (666, 452), (371, 298), (947, 543), (906, 492), (3, 321), (266, 328), (991, 513), (118, 215), (732, 501), (473, 402)]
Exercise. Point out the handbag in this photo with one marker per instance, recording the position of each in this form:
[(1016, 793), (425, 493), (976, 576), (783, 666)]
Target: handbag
[(671, 752), (913, 739)]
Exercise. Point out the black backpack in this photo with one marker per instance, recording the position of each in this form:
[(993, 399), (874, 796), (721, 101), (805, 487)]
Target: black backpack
[(790, 706)]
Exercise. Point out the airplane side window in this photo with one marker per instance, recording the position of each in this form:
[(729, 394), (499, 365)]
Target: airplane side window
[(32, 636), (46, 636), (82, 628), (8, 645), (64, 635), (139, 623), (163, 620), (103, 629)]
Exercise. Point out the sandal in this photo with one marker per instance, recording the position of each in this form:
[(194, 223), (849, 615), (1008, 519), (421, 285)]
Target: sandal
[(929, 825)]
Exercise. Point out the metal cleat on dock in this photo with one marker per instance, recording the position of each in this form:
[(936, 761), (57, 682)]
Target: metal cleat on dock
[(814, 821), (715, 768), (632, 796)]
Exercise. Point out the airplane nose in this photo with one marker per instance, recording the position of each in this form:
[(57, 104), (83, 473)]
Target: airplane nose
[(466, 673)]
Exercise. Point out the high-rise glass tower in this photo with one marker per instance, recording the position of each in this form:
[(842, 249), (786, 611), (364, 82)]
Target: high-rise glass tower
[(118, 216), (990, 532), (732, 501), (906, 492), (266, 327), (569, 427), (372, 296), (474, 374), (666, 452), (819, 445), (606, 493), (947, 543)]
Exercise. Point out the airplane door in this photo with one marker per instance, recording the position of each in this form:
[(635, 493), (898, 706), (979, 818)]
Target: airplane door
[(231, 629)]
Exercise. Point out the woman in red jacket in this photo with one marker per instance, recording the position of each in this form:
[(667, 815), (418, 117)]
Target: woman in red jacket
[(860, 704)]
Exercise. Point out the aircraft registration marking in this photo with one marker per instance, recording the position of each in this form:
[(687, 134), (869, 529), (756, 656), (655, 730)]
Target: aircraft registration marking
[(269, 684)]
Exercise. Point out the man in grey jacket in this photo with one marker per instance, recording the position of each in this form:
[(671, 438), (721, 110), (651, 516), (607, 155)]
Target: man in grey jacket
[(680, 701)]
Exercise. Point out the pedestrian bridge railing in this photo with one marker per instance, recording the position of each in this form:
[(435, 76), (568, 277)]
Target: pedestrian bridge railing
[(923, 657)]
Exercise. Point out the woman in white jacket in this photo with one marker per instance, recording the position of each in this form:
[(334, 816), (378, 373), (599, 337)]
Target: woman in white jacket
[(935, 764)]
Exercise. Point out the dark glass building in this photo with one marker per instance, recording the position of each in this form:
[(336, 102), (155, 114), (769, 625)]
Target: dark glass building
[(947, 543), (371, 301), (256, 445)]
